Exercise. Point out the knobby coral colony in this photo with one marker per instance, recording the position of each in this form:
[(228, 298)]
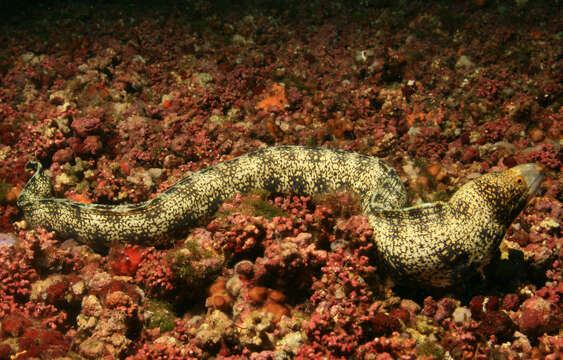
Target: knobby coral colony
[(435, 244)]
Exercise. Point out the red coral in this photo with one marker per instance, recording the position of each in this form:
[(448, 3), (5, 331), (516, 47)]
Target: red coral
[(14, 324), (489, 89), (127, 260), (7, 214), (444, 309), (401, 314), (91, 145), (510, 302), (341, 298), (57, 291), (45, 342), (470, 154)]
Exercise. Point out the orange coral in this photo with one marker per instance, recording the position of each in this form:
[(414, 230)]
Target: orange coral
[(275, 99), (258, 294), (339, 125), (276, 296), (278, 310), (418, 115), (80, 198), (219, 298), (12, 194), (271, 300)]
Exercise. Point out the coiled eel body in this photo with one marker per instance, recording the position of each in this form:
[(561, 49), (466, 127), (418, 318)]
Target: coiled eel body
[(435, 244)]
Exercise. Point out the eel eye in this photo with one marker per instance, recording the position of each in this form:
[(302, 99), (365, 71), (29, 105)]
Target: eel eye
[(519, 180)]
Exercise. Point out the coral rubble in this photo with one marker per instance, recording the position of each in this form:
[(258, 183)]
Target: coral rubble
[(119, 102)]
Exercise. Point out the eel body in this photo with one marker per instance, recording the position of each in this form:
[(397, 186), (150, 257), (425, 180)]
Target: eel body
[(435, 244)]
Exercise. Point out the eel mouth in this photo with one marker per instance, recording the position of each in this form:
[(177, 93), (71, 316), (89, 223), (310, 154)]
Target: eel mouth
[(533, 174)]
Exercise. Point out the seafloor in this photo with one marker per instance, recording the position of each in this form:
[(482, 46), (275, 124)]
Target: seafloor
[(119, 100)]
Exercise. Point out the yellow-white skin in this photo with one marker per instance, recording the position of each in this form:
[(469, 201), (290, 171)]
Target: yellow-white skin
[(434, 244)]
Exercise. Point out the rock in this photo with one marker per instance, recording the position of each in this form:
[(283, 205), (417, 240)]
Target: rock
[(496, 323), (537, 135), (91, 306), (204, 79), (214, 329), (7, 239), (445, 308), (362, 56), (537, 316), (85, 125), (383, 324), (27, 57), (92, 348), (291, 342), (92, 144), (63, 155), (464, 62), (240, 40), (461, 314)]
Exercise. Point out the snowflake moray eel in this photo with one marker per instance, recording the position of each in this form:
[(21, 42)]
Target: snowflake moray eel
[(434, 244)]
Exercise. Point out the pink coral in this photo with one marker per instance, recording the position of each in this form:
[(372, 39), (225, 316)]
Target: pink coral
[(427, 142), (154, 273), (291, 259), (16, 276), (545, 154), (240, 234)]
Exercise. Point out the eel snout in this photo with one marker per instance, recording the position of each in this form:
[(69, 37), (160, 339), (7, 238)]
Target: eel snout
[(533, 175)]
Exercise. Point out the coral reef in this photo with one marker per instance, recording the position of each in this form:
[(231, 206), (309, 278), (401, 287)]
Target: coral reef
[(120, 107)]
